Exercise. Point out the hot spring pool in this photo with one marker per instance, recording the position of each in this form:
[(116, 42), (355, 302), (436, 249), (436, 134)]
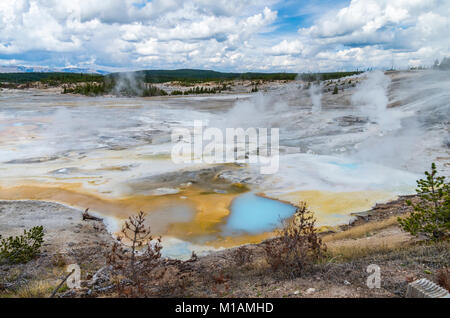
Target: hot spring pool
[(254, 214)]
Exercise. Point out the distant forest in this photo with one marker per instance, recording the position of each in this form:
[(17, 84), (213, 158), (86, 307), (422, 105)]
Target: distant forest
[(140, 83), (50, 78), (187, 76), (196, 76), (148, 76)]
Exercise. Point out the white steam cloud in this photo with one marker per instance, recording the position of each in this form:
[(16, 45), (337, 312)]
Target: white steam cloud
[(315, 91), (372, 99)]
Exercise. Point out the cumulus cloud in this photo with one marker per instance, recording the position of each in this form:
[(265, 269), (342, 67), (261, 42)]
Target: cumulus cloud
[(235, 35), (369, 33), (127, 33)]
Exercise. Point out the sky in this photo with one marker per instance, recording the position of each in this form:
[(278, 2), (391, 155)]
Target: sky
[(224, 35)]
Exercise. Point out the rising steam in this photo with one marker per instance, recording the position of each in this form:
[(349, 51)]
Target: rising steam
[(315, 91), (372, 99)]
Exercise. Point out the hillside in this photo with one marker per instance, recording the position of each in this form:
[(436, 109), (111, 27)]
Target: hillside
[(153, 82), (49, 77), (161, 76), (192, 75)]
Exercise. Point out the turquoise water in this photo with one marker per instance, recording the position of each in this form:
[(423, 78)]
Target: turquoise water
[(345, 165), (254, 214)]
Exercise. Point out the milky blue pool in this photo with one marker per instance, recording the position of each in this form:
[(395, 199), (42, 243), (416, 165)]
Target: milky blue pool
[(254, 214), (345, 165)]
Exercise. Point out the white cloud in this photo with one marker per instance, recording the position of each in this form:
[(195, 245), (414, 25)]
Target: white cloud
[(131, 33), (369, 33), (222, 34), (288, 47)]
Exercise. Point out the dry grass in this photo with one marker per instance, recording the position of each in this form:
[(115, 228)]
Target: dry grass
[(361, 230), (367, 239), (34, 289), (361, 249), (443, 278)]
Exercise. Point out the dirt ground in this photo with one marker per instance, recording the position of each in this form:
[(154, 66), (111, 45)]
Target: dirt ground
[(67, 240), (373, 238)]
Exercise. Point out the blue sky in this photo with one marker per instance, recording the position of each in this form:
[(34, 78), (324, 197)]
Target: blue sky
[(293, 15), (225, 35)]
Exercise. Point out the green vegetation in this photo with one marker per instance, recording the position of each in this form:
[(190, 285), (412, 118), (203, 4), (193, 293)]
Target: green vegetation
[(89, 89), (431, 216), (201, 90), (51, 78), (190, 76), (139, 83), (116, 86), (22, 248), (335, 90)]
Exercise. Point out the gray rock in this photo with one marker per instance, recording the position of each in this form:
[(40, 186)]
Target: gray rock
[(101, 276), (423, 288)]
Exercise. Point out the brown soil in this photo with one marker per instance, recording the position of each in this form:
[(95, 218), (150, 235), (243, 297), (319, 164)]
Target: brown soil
[(67, 240), (373, 238)]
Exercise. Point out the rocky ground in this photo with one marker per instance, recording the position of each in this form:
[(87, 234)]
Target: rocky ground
[(373, 238), (68, 240), (225, 87)]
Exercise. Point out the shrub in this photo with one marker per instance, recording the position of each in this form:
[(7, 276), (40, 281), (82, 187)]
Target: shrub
[(34, 289), (139, 269), (138, 260), (443, 278), (298, 246), (335, 90), (242, 256), (58, 260), (125, 258), (22, 248), (431, 216)]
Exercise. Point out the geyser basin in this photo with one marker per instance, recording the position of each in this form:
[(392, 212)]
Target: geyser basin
[(254, 214), (342, 158)]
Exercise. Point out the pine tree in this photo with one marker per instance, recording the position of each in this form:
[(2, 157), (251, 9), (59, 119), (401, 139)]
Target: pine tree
[(431, 216), (335, 90), (137, 234)]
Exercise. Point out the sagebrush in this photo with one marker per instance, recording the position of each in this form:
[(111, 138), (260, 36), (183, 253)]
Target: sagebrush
[(298, 246)]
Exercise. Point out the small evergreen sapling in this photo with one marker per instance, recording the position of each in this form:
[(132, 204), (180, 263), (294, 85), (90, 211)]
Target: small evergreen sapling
[(22, 248), (335, 90), (431, 215), (127, 259)]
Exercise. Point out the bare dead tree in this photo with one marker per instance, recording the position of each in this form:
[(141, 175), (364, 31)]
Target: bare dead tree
[(143, 254), (139, 268), (87, 216), (134, 230)]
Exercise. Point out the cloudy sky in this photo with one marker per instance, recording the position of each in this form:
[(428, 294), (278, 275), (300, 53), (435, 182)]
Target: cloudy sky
[(225, 35)]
